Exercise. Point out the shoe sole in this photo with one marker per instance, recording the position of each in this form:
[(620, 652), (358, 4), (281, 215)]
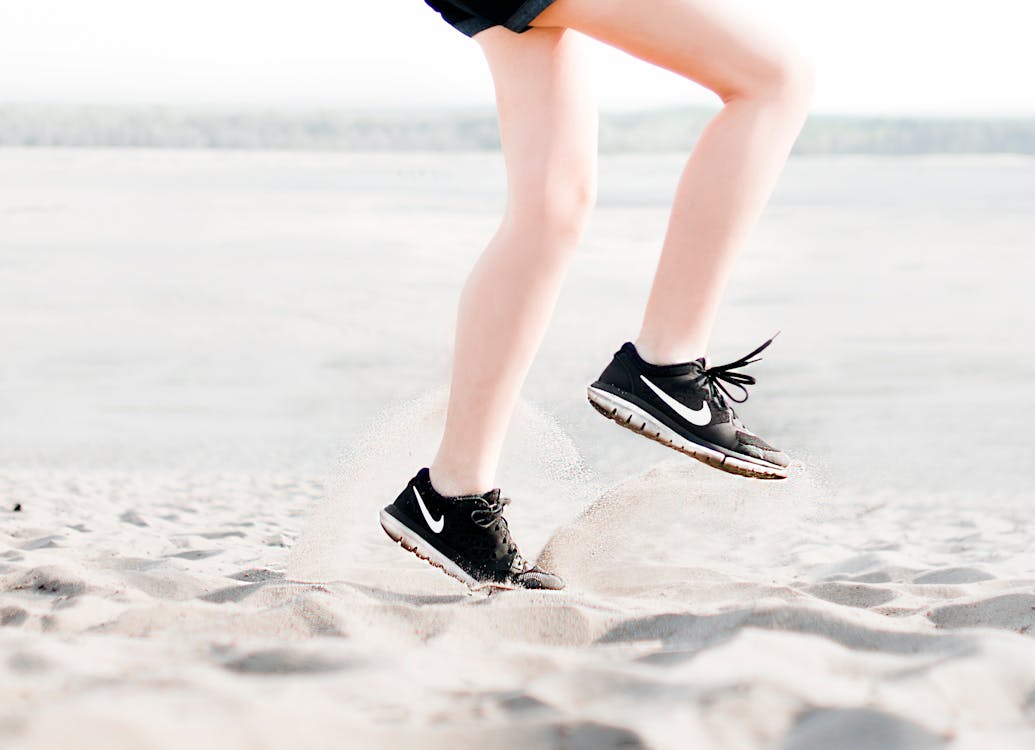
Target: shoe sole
[(411, 541), (632, 417)]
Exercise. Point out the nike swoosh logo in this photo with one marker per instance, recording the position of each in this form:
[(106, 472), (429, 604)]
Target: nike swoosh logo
[(435, 525), (701, 417)]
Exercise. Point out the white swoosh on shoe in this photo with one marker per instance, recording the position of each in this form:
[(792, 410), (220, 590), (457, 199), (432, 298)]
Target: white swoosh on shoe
[(701, 417), (435, 525)]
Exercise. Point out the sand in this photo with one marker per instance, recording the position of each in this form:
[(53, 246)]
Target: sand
[(204, 407)]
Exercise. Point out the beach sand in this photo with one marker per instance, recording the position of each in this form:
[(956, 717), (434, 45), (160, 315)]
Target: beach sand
[(217, 367)]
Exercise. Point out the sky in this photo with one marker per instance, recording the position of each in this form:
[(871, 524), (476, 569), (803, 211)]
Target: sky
[(887, 57)]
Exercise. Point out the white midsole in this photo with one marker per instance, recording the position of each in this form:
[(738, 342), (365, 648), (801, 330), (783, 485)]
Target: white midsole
[(627, 411), (400, 532)]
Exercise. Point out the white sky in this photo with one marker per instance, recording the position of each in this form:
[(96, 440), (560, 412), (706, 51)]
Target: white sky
[(878, 56)]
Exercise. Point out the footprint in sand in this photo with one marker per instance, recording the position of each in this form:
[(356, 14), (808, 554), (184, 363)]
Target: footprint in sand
[(12, 616), (860, 595), (953, 576), (858, 729), (283, 661), (1008, 612), (50, 581)]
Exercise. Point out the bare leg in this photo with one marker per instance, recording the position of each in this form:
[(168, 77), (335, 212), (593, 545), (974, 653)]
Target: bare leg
[(548, 129), (734, 167)]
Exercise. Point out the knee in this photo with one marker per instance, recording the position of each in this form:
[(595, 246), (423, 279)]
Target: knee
[(785, 77), (557, 207), (568, 205)]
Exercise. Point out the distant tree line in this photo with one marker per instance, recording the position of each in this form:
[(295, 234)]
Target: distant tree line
[(657, 130)]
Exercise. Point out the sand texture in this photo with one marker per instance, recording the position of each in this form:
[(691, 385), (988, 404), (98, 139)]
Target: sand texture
[(218, 367)]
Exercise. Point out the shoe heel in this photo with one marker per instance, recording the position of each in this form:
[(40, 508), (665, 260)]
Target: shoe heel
[(411, 541)]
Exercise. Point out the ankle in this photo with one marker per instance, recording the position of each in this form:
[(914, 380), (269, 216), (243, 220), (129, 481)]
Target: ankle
[(667, 353), (451, 483)]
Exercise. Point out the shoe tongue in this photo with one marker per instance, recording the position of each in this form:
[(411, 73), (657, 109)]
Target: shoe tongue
[(489, 498)]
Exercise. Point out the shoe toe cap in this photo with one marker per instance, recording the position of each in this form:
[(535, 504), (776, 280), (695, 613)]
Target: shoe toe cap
[(752, 445), (777, 457), (539, 579)]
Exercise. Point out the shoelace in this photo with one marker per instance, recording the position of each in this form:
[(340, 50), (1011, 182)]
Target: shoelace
[(491, 517), (728, 373)]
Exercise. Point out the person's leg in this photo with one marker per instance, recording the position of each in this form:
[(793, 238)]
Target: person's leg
[(766, 90), (548, 130)]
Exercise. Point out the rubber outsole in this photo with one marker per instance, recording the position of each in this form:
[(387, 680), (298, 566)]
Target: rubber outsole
[(632, 417), (410, 541)]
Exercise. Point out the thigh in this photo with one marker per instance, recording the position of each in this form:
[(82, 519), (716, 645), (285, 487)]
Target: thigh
[(547, 111), (707, 41)]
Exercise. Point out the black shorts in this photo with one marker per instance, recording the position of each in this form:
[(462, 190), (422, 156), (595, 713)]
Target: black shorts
[(471, 16)]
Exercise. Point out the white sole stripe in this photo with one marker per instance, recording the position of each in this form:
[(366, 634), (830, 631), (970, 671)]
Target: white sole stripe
[(632, 417)]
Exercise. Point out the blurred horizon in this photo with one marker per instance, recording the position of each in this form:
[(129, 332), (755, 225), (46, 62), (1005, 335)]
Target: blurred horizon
[(648, 129), (293, 107)]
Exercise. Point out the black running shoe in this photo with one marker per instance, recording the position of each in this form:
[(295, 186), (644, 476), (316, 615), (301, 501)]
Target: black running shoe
[(466, 536), (684, 406)]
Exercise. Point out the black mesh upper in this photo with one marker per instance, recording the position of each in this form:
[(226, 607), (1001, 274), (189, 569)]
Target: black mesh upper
[(748, 438), (474, 534)]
